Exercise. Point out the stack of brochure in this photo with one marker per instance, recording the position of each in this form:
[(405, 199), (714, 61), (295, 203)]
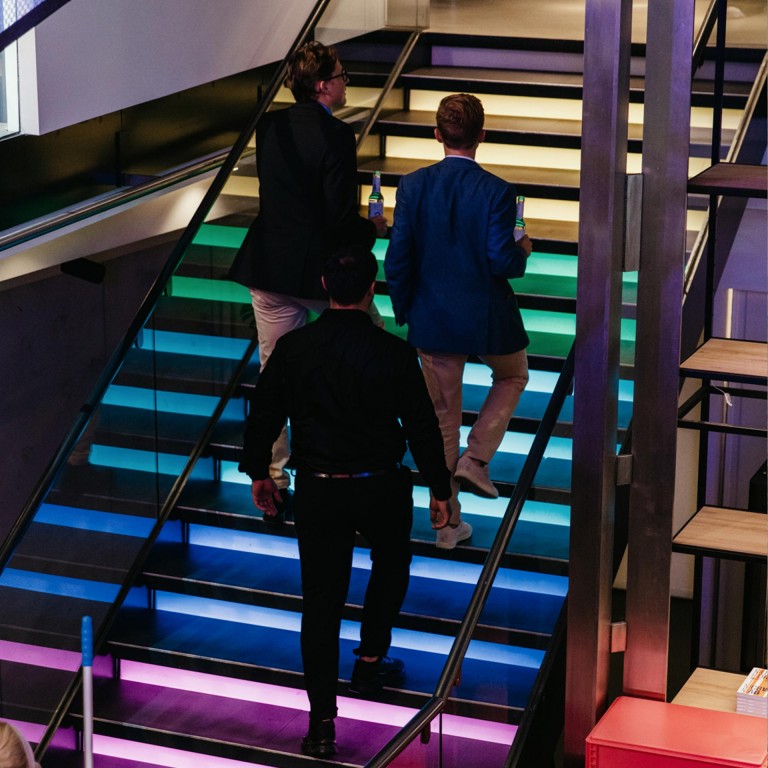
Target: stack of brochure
[(752, 696)]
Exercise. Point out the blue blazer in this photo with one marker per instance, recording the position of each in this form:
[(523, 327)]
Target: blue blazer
[(451, 252)]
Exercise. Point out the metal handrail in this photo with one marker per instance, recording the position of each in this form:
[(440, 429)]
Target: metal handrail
[(702, 38), (439, 698), (115, 362), (19, 235), (402, 59)]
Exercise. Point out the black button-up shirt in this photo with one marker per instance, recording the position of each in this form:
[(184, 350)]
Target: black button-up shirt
[(354, 394)]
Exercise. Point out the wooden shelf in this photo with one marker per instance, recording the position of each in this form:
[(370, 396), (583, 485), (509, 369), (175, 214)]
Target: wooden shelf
[(729, 359), (710, 689), (731, 179), (734, 534)]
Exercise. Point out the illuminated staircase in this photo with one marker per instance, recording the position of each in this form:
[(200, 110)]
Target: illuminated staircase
[(202, 666)]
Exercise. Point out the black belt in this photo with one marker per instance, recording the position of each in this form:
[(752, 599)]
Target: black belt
[(350, 475)]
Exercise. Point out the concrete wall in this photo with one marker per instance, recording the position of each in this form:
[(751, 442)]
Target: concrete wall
[(58, 332), (94, 57)]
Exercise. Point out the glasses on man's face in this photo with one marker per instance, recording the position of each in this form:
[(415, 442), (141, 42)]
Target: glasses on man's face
[(343, 74)]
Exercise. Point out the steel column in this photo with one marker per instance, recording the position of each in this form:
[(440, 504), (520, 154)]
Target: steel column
[(598, 320), (666, 133)]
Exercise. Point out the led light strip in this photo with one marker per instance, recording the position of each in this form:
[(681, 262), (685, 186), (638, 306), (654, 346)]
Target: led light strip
[(291, 622), (292, 698)]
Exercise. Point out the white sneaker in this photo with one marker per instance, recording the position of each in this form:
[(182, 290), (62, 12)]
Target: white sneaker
[(474, 478), (448, 538)]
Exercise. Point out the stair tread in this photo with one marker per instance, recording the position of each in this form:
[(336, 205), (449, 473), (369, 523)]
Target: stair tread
[(194, 374), (204, 316), (269, 654), (31, 692), (123, 491), (731, 359), (530, 130), (95, 555), (249, 730), (732, 179), (735, 533), (521, 176), (229, 505), (520, 608), (55, 623)]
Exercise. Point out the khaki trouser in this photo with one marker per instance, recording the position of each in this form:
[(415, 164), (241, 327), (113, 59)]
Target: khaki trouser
[(443, 373), (276, 314)]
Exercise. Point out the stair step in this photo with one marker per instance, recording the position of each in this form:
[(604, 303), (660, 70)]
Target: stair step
[(205, 317), (184, 371), (158, 430), (725, 532), (261, 644), (60, 611), (233, 720), (729, 359), (540, 540), (30, 691), (521, 609)]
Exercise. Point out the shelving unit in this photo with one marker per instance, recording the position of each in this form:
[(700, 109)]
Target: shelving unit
[(716, 531)]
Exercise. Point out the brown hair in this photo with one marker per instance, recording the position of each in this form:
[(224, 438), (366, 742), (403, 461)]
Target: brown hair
[(460, 119), (15, 751), (312, 62)]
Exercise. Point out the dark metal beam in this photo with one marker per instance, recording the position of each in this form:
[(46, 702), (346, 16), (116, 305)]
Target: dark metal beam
[(598, 317), (666, 130)]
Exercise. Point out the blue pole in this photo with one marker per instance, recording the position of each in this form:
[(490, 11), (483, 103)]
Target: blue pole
[(87, 646)]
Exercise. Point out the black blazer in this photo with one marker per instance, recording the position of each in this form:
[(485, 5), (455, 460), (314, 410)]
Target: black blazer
[(308, 201)]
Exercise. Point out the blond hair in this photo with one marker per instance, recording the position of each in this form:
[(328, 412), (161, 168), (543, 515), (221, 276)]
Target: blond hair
[(15, 751)]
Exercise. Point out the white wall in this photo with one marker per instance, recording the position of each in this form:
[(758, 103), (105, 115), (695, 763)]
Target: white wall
[(94, 57)]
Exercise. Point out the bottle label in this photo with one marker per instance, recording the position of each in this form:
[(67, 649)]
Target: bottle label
[(375, 208)]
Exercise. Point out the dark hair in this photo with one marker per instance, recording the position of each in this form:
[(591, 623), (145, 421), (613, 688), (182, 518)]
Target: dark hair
[(349, 273), (460, 120), (312, 62)]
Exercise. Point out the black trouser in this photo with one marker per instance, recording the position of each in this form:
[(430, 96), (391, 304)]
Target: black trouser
[(327, 514)]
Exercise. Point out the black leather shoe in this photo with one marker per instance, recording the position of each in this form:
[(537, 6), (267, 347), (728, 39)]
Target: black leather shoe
[(320, 741), (371, 676)]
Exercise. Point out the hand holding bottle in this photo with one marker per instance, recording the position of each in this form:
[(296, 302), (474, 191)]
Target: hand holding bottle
[(376, 206)]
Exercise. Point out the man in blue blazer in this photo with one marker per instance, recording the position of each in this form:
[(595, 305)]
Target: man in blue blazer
[(451, 254)]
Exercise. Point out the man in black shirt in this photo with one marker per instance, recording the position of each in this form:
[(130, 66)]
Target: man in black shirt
[(355, 396)]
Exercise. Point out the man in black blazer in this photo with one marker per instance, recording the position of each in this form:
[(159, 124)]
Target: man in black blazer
[(308, 207)]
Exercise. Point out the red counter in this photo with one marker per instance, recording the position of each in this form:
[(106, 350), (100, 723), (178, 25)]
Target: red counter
[(639, 733)]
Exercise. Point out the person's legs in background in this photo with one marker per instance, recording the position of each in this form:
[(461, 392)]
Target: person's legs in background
[(509, 378), (276, 314), (443, 375)]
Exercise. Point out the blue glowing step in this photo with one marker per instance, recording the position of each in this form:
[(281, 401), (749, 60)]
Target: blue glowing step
[(262, 644), (225, 722), (93, 555), (253, 568), (186, 363), (535, 397), (59, 605), (173, 433), (554, 471), (540, 539), (124, 491)]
